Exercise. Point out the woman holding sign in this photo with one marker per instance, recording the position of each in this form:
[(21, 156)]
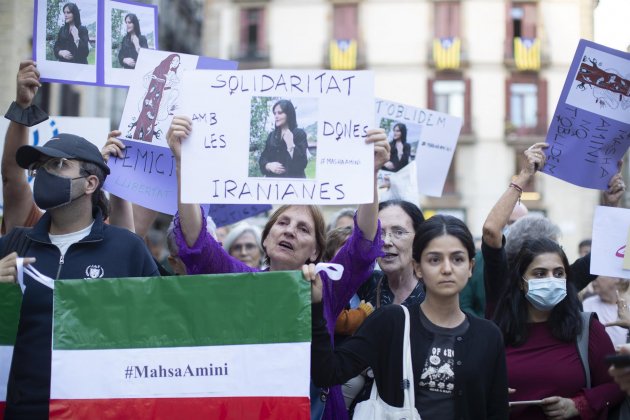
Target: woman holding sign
[(284, 155), (72, 44), (293, 236), (131, 43)]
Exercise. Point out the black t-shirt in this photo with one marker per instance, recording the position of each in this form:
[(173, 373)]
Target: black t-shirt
[(437, 381)]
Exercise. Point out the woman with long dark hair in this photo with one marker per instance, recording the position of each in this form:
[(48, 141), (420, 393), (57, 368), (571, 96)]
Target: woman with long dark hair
[(401, 150), (158, 99), (284, 155), (458, 359), (540, 318), (72, 44), (131, 43)]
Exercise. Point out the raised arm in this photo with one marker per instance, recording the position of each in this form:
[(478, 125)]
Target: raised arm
[(121, 213), (367, 214), (500, 213), (16, 193), (189, 214), (616, 189)]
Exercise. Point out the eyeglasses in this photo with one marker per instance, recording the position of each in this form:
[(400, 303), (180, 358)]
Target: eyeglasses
[(51, 165), (394, 233), (239, 247)]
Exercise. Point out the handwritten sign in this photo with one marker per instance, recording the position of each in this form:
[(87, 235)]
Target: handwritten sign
[(271, 136), (610, 235), (590, 130), (146, 173), (93, 52), (432, 136)]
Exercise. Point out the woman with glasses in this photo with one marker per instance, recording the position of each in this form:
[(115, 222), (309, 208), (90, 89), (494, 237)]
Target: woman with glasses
[(396, 282), (243, 243)]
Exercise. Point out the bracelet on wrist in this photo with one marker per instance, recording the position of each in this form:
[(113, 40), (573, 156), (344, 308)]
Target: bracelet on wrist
[(518, 188)]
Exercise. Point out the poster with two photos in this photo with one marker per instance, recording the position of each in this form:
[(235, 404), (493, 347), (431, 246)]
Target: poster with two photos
[(92, 42)]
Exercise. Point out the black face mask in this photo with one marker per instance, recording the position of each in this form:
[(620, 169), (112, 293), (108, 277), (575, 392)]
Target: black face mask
[(51, 191)]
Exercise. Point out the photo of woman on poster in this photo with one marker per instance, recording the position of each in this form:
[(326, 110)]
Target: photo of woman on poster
[(400, 149), (158, 100), (285, 152), (72, 44), (131, 43)]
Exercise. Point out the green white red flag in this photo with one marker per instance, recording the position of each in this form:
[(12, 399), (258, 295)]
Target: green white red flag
[(234, 346)]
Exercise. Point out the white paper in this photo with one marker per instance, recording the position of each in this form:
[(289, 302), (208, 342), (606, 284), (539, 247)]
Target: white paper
[(610, 232), (432, 135), (233, 122)]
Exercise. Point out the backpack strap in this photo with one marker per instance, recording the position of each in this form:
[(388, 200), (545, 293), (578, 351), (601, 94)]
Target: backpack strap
[(582, 344), (16, 241)]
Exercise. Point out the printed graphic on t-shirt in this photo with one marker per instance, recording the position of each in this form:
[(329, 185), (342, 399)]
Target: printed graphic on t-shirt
[(437, 374)]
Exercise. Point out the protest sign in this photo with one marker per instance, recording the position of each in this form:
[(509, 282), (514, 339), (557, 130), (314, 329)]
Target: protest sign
[(123, 20), (9, 317), (432, 137), (145, 174), (93, 129), (278, 137), (226, 214), (590, 130), (80, 42), (164, 348), (610, 234)]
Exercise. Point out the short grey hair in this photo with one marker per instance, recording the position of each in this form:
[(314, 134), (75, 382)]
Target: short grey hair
[(529, 227), (240, 229), (344, 212)]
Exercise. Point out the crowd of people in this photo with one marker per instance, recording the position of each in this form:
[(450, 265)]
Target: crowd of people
[(526, 349)]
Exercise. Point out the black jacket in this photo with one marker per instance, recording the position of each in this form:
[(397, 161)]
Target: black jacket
[(480, 371), (399, 161), (108, 251), (65, 41), (276, 151), (128, 50)]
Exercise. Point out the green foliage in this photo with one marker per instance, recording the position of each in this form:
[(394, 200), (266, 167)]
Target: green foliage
[(258, 131), (53, 12), (117, 35), (387, 124)]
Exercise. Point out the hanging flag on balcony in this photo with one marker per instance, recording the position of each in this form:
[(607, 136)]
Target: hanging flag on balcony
[(446, 53), (343, 54), (527, 54)]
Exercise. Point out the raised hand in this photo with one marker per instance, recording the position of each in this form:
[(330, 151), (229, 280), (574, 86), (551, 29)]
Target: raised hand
[(27, 83)]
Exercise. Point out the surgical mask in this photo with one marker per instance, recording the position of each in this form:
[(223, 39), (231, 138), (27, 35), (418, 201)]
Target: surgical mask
[(51, 191), (545, 294)]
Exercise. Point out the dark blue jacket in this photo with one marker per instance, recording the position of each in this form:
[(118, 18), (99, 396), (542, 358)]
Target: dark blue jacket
[(108, 251)]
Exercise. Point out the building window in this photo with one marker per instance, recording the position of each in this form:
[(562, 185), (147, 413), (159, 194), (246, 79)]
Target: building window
[(447, 19), (252, 33), (521, 23), (452, 96), (345, 22), (526, 105)]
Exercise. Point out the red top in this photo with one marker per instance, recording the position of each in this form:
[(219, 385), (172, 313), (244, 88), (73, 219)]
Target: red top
[(545, 367)]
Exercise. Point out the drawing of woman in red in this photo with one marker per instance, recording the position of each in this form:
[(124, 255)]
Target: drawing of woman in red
[(155, 107)]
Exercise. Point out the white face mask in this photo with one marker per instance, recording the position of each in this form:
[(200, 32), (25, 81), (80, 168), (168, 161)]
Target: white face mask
[(545, 294)]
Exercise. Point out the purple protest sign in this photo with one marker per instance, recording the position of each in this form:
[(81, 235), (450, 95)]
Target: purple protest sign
[(226, 214), (590, 130), (145, 175), (98, 52)]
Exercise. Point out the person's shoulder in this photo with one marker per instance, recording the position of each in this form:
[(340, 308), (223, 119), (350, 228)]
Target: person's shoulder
[(590, 302), (121, 234), (299, 134)]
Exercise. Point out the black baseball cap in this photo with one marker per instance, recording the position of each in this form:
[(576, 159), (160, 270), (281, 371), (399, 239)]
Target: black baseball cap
[(63, 145)]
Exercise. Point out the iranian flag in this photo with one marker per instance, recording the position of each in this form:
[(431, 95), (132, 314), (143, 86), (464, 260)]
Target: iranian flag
[(10, 301), (233, 346)]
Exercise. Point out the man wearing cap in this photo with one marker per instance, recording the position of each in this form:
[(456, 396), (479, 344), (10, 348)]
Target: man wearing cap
[(70, 241)]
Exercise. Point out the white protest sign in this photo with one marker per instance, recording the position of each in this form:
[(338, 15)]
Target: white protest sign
[(93, 129), (274, 136), (432, 136), (153, 96), (610, 233)]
